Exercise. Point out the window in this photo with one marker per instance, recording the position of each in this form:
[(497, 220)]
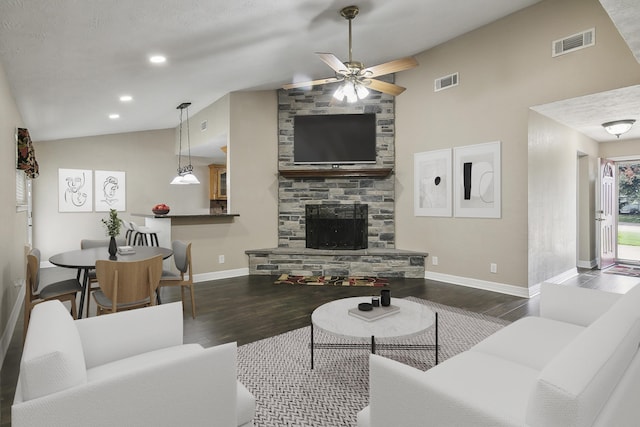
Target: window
[(21, 190)]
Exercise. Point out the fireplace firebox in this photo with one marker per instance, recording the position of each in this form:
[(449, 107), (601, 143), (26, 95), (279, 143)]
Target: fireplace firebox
[(336, 226)]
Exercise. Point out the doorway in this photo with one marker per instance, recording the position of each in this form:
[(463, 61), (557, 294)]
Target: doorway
[(628, 230)]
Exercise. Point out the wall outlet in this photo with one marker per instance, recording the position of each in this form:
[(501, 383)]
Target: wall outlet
[(434, 260), (221, 259), (493, 267)]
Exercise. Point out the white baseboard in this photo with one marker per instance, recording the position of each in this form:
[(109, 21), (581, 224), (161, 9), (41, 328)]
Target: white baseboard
[(502, 288), (486, 285), (217, 275), (7, 334), (587, 264)]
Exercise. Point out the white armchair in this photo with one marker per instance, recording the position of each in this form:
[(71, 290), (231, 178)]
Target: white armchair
[(128, 368)]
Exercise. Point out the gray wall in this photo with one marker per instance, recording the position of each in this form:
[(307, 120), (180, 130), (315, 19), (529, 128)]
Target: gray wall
[(13, 232), (505, 68)]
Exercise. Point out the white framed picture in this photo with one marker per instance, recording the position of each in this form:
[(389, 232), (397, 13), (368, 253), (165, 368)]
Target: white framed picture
[(110, 191), (432, 183), (476, 192), (75, 188)]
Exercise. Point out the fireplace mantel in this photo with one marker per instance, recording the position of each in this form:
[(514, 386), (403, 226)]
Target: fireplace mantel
[(336, 173)]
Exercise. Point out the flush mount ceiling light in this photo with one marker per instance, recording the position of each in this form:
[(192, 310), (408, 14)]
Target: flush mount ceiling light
[(185, 173), (126, 98), (114, 116), (157, 59), (618, 127)]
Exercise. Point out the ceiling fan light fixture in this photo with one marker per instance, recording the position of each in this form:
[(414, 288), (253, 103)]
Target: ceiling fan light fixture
[(339, 93), (618, 127), (362, 91)]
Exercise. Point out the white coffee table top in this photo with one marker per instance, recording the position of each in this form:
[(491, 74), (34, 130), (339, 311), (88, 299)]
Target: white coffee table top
[(334, 317)]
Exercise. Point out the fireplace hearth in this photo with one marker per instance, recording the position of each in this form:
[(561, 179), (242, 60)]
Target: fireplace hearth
[(336, 226)]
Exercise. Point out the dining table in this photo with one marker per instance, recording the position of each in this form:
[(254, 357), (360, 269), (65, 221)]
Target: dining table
[(84, 260)]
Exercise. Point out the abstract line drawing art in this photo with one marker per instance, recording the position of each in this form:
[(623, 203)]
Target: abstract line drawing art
[(477, 181), (432, 183), (110, 191), (75, 188)]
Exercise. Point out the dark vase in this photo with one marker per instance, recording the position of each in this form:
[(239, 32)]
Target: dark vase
[(385, 298), (113, 248)]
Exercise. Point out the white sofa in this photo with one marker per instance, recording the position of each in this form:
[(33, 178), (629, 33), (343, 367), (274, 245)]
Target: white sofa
[(129, 368), (577, 364)]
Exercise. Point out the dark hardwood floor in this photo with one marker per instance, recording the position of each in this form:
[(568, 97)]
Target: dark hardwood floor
[(250, 308)]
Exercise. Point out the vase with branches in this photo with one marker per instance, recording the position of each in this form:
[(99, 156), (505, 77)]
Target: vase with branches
[(112, 225)]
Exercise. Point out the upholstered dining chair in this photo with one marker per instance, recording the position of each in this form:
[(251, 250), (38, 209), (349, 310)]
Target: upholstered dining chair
[(140, 235), (128, 231), (64, 290), (182, 260), (90, 243), (125, 285)]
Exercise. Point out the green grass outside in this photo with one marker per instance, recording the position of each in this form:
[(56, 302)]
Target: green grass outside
[(628, 238)]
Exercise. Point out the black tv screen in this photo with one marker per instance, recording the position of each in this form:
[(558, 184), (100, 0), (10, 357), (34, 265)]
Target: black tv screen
[(334, 138)]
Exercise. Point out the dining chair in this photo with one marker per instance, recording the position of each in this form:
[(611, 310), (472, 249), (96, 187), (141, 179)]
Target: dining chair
[(140, 235), (182, 260), (128, 235), (64, 290), (92, 243), (125, 285)]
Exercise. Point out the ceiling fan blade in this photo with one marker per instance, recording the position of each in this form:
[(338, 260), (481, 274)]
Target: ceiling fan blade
[(384, 87), (310, 83), (332, 61), (391, 67)]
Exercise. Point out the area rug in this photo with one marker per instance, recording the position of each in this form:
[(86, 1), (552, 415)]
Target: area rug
[(287, 279), (288, 393), (625, 270)]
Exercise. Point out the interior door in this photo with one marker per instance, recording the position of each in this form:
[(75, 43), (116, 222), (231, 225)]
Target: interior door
[(606, 205)]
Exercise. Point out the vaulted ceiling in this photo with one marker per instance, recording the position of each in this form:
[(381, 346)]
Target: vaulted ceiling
[(69, 61)]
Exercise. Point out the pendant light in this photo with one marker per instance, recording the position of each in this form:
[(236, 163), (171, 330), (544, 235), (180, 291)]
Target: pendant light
[(185, 173)]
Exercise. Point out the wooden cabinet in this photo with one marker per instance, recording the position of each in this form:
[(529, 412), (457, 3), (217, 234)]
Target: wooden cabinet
[(218, 182)]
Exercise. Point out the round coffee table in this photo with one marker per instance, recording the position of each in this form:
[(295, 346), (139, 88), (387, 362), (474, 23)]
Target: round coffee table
[(409, 320)]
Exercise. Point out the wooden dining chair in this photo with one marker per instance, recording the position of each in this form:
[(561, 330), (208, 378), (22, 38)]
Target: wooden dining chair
[(125, 285), (91, 243), (182, 260), (64, 290)]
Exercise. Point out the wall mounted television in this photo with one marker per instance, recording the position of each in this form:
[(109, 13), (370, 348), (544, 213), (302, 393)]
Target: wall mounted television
[(334, 139)]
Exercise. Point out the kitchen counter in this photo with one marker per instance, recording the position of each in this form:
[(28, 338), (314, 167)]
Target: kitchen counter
[(201, 216), (162, 223)]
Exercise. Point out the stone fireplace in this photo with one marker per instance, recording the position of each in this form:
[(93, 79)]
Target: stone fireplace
[(301, 252), (336, 226)]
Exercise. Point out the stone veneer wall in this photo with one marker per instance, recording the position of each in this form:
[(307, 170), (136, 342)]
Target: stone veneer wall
[(295, 193)]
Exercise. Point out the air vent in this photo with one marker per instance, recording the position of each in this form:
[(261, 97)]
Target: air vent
[(203, 126), (574, 42), (446, 82)]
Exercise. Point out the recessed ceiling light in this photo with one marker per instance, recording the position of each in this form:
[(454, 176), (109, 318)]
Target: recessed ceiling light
[(114, 116), (126, 98), (157, 59)]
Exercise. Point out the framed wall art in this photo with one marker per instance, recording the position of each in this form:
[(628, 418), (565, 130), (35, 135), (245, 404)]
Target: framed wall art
[(110, 191), (476, 191), (432, 183), (75, 188)]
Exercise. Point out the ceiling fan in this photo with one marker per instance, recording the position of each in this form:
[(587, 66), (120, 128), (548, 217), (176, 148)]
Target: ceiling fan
[(355, 76)]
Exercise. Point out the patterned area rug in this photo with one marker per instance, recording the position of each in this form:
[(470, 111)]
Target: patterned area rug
[(625, 270), (286, 279), (288, 393)]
